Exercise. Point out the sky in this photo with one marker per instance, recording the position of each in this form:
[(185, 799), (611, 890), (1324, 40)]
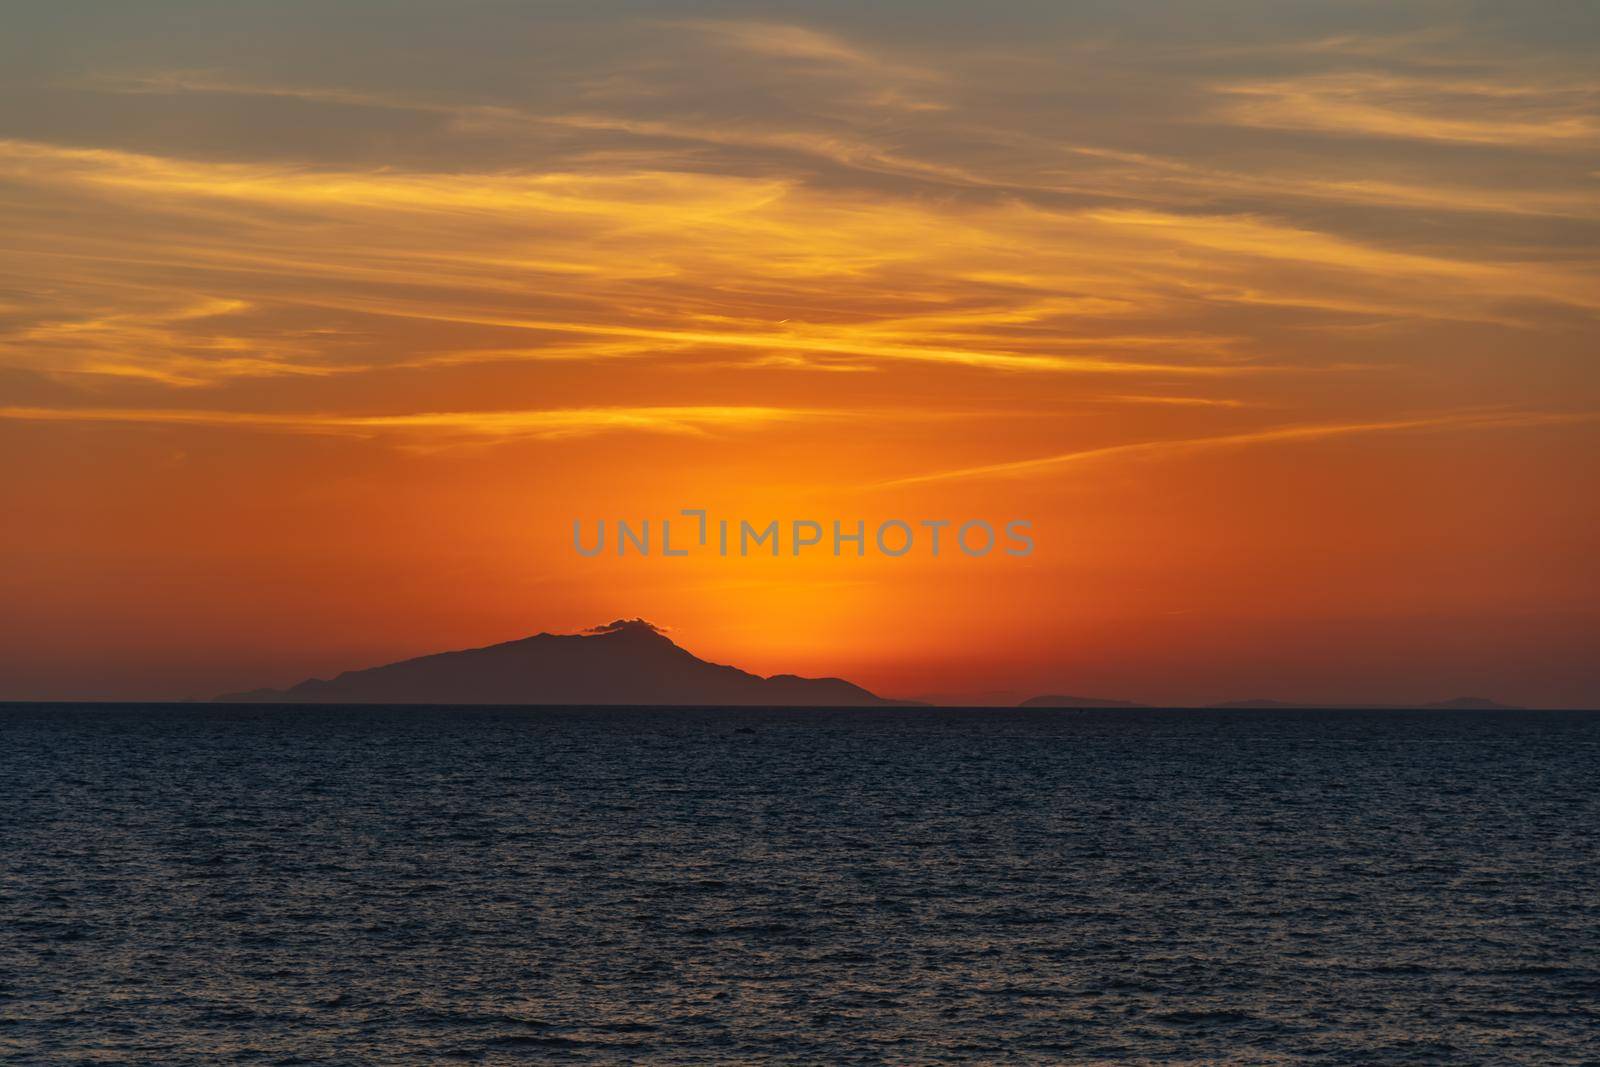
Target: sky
[(321, 324)]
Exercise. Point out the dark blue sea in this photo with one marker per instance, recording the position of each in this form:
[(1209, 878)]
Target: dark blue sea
[(194, 884)]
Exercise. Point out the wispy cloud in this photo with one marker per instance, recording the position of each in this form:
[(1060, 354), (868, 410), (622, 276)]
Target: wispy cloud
[(188, 343), (787, 41), (773, 223), (1410, 107), (888, 83), (460, 258), (1165, 449), (538, 424)]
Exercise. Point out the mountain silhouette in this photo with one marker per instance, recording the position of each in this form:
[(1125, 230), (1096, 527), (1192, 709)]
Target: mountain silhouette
[(628, 661)]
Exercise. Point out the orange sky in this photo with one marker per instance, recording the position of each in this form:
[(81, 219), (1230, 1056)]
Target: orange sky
[(317, 332)]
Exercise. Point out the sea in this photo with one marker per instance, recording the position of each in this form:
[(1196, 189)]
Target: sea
[(205, 884)]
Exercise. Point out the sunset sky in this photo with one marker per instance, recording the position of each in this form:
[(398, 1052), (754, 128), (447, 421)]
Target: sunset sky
[(320, 323)]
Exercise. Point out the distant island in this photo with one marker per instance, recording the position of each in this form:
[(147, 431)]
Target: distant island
[(1054, 701), (1456, 704), (629, 661)]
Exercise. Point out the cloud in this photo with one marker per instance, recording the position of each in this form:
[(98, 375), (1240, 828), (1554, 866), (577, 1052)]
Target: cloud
[(1410, 107), (891, 84), (187, 343), (785, 42), (1170, 181), (166, 83), (738, 199), (482, 426), (1047, 465), (454, 249), (678, 267)]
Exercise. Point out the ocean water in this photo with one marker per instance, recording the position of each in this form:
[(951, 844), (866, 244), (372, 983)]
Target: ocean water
[(203, 884)]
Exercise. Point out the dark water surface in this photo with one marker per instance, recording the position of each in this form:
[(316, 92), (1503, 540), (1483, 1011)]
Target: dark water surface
[(195, 885)]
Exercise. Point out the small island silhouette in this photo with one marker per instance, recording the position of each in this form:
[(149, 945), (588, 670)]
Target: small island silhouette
[(1104, 704), (629, 662)]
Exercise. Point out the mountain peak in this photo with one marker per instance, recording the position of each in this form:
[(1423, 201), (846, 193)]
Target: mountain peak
[(628, 626)]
